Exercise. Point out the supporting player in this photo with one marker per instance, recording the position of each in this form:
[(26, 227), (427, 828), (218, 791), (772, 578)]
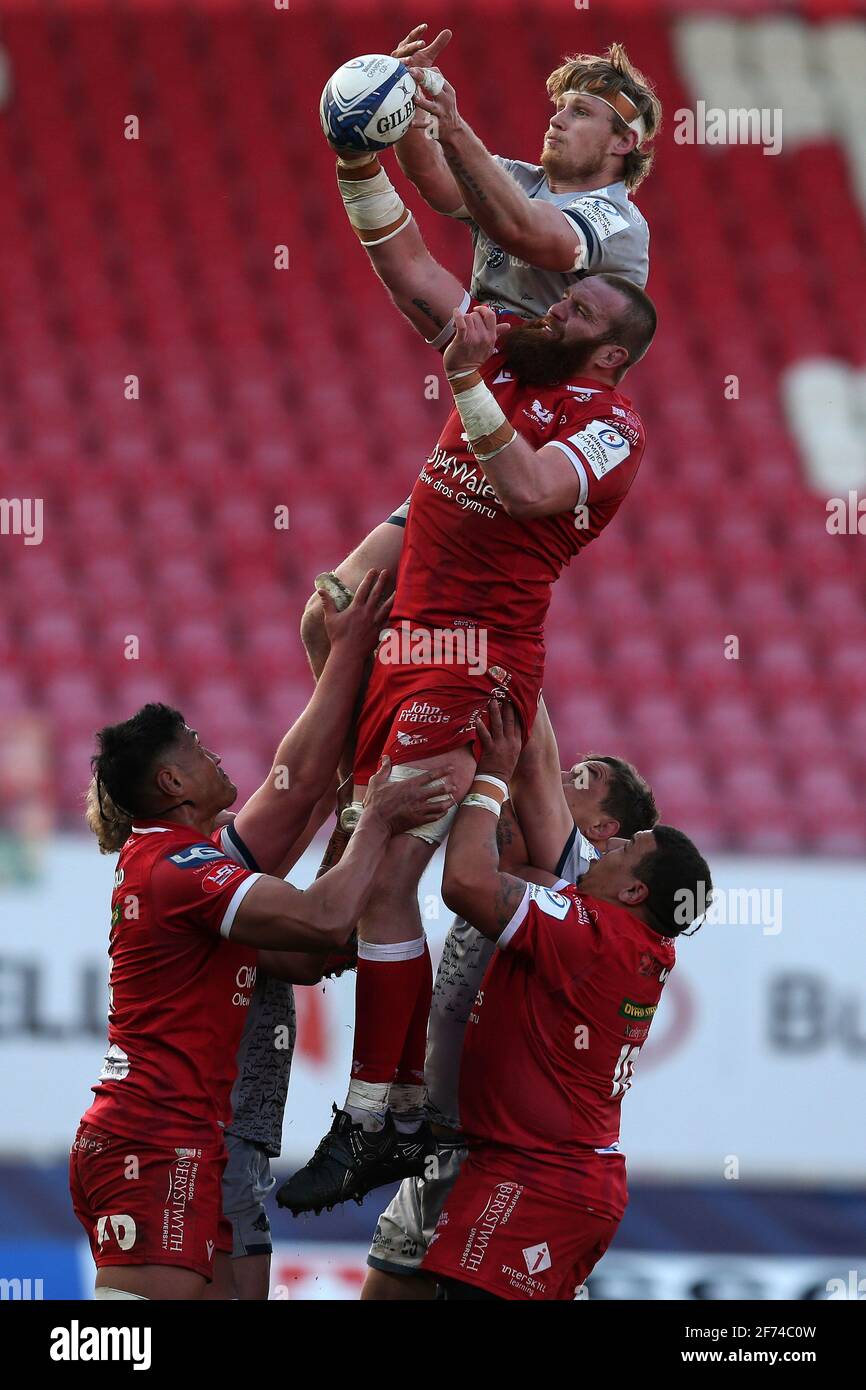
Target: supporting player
[(571, 818), (552, 1043), (534, 461), (190, 920)]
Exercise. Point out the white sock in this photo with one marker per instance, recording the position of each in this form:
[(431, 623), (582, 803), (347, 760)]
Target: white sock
[(367, 1103), (407, 1105)]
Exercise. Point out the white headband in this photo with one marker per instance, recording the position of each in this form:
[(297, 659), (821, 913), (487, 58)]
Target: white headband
[(637, 124)]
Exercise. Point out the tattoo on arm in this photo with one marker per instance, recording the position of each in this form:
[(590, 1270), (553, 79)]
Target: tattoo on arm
[(509, 892), (463, 176), (504, 833), (426, 309)]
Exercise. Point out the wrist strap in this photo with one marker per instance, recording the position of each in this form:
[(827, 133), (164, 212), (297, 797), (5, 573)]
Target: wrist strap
[(467, 371), (488, 431), (485, 802), (494, 782)]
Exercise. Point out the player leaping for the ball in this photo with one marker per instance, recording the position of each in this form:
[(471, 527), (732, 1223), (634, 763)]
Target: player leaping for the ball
[(533, 462), (537, 228), (566, 216)]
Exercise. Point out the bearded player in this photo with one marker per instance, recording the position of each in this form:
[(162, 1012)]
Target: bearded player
[(537, 229), (533, 462)]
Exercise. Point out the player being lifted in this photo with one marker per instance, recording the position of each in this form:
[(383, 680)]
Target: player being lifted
[(533, 462), (537, 228)]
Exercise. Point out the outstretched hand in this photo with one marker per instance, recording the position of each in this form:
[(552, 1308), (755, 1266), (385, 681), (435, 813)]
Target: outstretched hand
[(416, 51)]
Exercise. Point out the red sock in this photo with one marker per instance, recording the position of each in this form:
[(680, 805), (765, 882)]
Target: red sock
[(410, 1069), (386, 993)]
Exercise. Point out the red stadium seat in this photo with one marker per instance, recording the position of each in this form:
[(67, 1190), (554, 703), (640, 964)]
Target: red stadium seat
[(303, 388)]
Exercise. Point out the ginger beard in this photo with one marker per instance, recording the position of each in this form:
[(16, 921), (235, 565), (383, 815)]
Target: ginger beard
[(538, 358), (558, 162)]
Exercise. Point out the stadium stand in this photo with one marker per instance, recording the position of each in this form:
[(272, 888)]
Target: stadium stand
[(258, 388)]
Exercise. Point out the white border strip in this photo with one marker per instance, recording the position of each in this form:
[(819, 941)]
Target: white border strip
[(236, 900), (447, 333), (578, 467), (517, 920)]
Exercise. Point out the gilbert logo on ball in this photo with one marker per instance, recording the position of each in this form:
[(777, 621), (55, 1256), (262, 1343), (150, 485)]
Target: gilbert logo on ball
[(368, 103)]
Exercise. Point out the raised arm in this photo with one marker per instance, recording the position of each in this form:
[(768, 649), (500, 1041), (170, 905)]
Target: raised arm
[(529, 482), (513, 854), (539, 798), (419, 156), (473, 882), (276, 916), (305, 762), (424, 291), (535, 231)]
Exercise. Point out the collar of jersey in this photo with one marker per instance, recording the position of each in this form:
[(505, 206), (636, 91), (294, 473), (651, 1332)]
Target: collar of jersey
[(153, 827), (591, 381), (583, 192)]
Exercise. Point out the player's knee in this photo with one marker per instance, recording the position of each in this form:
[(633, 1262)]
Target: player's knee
[(312, 621), (314, 635)]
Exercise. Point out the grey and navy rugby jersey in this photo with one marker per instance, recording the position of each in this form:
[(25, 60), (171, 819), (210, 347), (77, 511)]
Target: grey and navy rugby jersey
[(613, 237)]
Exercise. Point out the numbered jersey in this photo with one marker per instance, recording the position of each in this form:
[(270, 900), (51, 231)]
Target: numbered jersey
[(179, 989), (557, 1027), (611, 235)]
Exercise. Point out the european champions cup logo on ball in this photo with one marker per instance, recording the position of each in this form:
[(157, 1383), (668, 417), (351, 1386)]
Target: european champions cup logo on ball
[(369, 102)]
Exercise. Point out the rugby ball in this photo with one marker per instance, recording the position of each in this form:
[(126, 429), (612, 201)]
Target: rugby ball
[(368, 103)]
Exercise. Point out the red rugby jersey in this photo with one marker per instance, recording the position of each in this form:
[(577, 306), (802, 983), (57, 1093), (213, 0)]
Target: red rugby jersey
[(464, 560), (179, 989), (557, 1027)]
